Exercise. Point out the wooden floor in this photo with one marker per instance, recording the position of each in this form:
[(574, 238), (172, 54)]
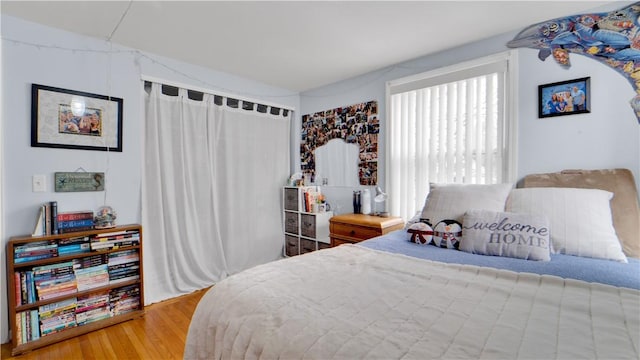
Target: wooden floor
[(159, 334)]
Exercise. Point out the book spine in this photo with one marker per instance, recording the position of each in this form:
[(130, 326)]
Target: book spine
[(34, 258), (18, 290), (75, 229), (23, 321), (38, 229), (74, 223), (47, 219), (54, 217), (23, 287), (70, 216), (35, 325), (18, 334)]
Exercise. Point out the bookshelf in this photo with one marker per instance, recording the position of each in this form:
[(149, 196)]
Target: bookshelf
[(64, 285), (304, 230)]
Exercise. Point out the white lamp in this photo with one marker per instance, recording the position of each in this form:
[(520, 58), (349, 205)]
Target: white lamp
[(380, 198)]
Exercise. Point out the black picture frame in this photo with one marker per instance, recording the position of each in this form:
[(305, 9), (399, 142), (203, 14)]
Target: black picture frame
[(70, 119), (548, 95)]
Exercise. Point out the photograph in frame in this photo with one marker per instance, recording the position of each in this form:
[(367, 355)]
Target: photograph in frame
[(69, 119), (564, 98)]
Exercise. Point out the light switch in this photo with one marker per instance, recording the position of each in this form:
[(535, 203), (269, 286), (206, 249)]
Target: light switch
[(39, 183)]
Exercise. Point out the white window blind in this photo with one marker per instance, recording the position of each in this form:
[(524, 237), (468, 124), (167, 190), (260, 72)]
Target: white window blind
[(447, 126)]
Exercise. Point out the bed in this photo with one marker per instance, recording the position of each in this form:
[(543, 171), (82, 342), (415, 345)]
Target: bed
[(390, 298)]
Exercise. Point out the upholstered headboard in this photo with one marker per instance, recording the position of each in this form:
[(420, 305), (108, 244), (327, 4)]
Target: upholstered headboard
[(624, 205)]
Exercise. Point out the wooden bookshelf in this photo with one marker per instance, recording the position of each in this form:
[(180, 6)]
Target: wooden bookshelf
[(18, 345)]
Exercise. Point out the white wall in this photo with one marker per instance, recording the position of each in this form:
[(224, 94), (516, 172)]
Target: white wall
[(608, 137), (56, 58)]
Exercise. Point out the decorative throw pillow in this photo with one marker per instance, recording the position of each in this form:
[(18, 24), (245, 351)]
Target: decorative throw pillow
[(450, 202), (517, 235), (421, 233), (579, 219), (447, 234)]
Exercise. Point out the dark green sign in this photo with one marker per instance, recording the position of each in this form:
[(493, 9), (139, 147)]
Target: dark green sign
[(79, 181)]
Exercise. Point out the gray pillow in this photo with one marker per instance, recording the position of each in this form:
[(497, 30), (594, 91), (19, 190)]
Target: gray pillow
[(517, 235)]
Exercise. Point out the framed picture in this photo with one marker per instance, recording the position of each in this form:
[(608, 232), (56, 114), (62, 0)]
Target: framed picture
[(564, 98), (75, 120)]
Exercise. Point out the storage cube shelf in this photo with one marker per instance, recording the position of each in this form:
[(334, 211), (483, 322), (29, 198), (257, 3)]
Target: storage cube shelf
[(304, 231), (65, 285)]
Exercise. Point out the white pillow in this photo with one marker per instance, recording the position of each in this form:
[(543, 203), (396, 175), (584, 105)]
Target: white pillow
[(517, 235), (451, 201), (579, 219)]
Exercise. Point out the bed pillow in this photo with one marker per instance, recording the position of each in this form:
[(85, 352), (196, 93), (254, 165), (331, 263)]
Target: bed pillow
[(516, 235), (451, 201), (579, 219)]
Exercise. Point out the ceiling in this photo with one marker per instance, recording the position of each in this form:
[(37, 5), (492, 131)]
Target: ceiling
[(295, 45)]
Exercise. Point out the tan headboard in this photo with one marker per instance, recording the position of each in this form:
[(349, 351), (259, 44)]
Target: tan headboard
[(624, 205)]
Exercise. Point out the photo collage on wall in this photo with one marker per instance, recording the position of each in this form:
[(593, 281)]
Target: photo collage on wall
[(355, 124)]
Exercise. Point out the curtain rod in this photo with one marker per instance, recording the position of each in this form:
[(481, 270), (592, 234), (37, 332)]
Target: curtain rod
[(214, 92)]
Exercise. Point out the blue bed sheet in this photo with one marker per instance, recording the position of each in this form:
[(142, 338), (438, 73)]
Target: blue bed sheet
[(566, 266)]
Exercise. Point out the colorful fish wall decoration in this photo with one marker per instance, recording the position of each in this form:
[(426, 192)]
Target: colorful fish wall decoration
[(612, 38)]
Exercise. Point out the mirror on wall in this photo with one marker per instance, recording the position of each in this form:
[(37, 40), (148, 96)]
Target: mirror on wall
[(337, 163)]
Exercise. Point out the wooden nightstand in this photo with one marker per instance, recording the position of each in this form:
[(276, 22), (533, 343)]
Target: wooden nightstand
[(353, 228)]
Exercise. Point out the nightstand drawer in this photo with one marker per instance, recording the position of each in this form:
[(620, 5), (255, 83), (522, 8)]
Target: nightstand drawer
[(354, 231)]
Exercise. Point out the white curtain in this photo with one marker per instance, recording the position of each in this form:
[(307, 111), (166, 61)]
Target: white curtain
[(449, 132), (211, 191)]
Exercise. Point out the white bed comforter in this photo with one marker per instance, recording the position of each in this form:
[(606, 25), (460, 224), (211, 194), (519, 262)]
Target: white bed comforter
[(351, 302)]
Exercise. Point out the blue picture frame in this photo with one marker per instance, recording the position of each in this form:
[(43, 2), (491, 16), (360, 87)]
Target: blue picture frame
[(564, 98)]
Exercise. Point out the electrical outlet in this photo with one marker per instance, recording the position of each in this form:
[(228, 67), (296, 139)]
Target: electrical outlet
[(39, 183)]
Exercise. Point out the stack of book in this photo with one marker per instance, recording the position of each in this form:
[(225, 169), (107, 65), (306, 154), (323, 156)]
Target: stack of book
[(27, 326), (125, 299), (310, 195), (74, 245), (57, 316), (92, 277), (25, 291), (47, 220), (35, 251), (115, 240), (124, 266), (54, 280), (75, 221), (92, 308)]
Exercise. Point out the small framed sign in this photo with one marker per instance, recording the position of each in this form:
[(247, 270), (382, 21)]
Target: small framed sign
[(79, 181), (564, 98)]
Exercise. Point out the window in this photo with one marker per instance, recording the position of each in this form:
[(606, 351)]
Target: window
[(449, 126)]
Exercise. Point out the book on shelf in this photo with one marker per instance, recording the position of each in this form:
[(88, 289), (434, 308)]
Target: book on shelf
[(75, 215), (125, 299), (35, 251), (115, 241), (47, 219), (39, 228), (90, 261), (28, 328), (92, 277), (54, 217), (75, 224), (75, 229)]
